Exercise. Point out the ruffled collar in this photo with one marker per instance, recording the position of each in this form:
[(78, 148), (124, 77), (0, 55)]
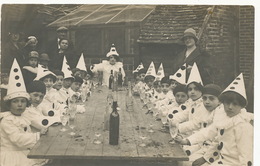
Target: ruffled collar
[(31, 69), (233, 121), (19, 121)]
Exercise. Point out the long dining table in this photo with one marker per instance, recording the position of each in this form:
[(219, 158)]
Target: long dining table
[(61, 146)]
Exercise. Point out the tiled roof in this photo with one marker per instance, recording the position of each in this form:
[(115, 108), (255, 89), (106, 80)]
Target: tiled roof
[(168, 22)]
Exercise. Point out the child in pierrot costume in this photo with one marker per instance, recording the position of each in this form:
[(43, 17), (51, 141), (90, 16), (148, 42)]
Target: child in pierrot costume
[(16, 135)]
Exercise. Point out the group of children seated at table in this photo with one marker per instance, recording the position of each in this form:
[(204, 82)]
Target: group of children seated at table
[(30, 107), (212, 124)]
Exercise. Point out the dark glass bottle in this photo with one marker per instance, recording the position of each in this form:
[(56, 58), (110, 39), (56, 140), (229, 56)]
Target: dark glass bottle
[(114, 126), (111, 79), (120, 78)]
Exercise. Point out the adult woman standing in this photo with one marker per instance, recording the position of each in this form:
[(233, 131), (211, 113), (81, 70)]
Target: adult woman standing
[(112, 64), (193, 54)]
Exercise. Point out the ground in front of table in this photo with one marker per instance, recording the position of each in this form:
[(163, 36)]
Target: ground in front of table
[(67, 162)]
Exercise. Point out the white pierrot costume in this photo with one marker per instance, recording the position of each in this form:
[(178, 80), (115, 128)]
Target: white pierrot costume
[(15, 131), (105, 67), (66, 69), (151, 70), (81, 63), (16, 86), (180, 75), (160, 73), (194, 75), (139, 67), (193, 109), (233, 134)]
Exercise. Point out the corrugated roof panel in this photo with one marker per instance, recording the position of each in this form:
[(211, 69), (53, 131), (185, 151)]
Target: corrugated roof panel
[(133, 13), (103, 15), (76, 16)]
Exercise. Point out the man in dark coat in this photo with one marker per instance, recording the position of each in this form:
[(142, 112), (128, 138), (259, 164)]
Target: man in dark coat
[(53, 46), (193, 54)]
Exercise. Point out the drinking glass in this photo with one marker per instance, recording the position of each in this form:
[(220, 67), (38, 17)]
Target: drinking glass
[(72, 125), (173, 129), (64, 121), (97, 140), (150, 127)]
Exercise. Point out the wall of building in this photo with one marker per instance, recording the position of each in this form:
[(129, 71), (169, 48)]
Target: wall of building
[(246, 50), (220, 40)]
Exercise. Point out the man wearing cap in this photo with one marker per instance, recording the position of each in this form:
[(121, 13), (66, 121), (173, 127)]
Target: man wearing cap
[(193, 54), (53, 46)]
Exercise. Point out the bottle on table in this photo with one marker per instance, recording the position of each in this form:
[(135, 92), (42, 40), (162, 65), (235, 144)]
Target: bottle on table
[(129, 98), (114, 125), (108, 111), (111, 80), (120, 78)]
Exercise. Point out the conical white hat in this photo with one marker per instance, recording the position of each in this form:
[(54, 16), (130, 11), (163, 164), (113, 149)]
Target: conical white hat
[(16, 86), (237, 86), (160, 73), (112, 51), (42, 72), (139, 67), (66, 69), (180, 75), (81, 63), (195, 75), (151, 70)]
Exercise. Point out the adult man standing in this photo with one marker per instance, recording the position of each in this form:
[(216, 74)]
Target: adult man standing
[(53, 46), (193, 54)]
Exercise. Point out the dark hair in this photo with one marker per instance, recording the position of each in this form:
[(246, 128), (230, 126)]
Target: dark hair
[(58, 73), (229, 97), (156, 83), (36, 86), (78, 79), (198, 85), (148, 78), (8, 103), (179, 88), (165, 80), (49, 76), (115, 56), (64, 39)]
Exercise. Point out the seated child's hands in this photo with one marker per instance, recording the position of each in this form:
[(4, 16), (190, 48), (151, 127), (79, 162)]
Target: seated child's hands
[(199, 162)]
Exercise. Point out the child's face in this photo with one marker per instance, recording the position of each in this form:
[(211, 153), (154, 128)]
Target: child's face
[(75, 86), (158, 88), (232, 108), (33, 62), (173, 84), (165, 88), (48, 83), (112, 60), (5, 79), (36, 98), (59, 82), (64, 44), (193, 92), (18, 105), (77, 74), (87, 77), (67, 83), (181, 97), (142, 76), (210, 102), (150, 82)]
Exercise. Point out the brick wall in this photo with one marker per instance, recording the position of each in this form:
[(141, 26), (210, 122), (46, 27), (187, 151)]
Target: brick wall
[(246, 50), (219, 39), (246, 40)]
